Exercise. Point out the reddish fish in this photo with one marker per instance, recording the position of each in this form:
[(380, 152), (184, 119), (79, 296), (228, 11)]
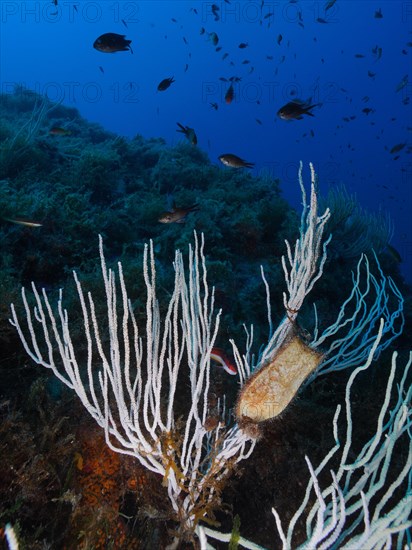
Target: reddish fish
[(220, 357), (230, 94), (58, 131)]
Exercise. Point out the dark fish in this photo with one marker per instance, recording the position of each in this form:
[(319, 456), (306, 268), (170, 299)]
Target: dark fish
[(124, 23), (377, 51), (329, 5), (243, 45), (112, 42), (189, 133), (177, 215), (279, 39), (321, 20), (359, 55), (402, 83), (22, 221), (214, 106), (367, 110), (397, 148), (101, 69), (378, 14), (234, 161), (230, 94), (164, 84), (296, 109), (214, 38)]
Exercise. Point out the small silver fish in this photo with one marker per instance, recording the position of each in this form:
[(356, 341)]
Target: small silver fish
[(177, 215), (234, 161), (21, 221)]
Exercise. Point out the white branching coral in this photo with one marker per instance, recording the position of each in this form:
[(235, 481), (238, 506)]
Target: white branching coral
[(132, 393), (131, 377), (358, 509)]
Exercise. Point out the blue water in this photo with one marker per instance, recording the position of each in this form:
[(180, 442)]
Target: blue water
[(49, 49)]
